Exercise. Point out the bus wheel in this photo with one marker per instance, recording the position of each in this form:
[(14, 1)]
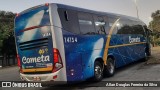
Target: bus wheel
[(98, 71), (110, 68), (145, 57)]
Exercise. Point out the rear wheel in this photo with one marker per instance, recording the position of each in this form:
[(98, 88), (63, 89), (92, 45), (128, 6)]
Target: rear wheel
[(98, 71), (110, 68)]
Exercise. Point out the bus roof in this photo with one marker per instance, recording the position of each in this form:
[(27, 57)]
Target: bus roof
[(92, 11), (86, 10)]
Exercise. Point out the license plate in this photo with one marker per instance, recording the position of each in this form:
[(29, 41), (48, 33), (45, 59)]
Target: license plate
[(36, 79)]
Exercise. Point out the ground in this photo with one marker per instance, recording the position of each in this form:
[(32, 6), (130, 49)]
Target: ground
[(138, 71), (155, 58)]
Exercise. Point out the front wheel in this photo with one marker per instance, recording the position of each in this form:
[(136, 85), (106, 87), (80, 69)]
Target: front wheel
[(145, 57), (98, 71)]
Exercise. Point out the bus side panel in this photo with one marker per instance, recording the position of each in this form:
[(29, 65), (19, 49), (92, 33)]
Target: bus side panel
[(118, 53), (119, 57), (80, 53), (87, 64), (130, 55), (74, 66), (136, 51), (96, 45), (88, 59), (128, 51)]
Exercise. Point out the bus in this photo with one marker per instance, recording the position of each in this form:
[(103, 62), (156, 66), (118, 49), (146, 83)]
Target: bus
[(57, 42)]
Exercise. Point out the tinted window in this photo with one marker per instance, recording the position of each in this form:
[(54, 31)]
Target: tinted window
[(86, 23), (138, 28), (111, 22), (99, 24), (69, 20), (107, 28), (125, 27)]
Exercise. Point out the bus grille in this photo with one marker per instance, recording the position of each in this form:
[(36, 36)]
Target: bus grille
[(33, 44)]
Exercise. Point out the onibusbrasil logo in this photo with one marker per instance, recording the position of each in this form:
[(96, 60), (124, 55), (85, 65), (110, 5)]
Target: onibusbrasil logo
[(21, 84)]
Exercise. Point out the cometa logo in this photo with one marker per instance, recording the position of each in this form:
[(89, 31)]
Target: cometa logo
[(132, 40), (35, 59)]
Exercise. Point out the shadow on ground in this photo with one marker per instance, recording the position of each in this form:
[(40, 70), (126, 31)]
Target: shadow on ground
[(90, 83)]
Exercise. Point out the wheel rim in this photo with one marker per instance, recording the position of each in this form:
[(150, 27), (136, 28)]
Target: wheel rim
[(98, 71), (111, 67)]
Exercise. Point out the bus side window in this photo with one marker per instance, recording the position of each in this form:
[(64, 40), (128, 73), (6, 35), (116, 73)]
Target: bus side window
[(111, 21), (106, 24), (99, 24), (147, 31), (128, 27), (86, 23), (138, 28), (69, 20), (123, 27)]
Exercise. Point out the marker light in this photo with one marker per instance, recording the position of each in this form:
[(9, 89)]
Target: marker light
[(19, 63), (46, 4), (17, 14)]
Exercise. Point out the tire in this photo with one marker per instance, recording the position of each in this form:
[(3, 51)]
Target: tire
[(149, 53), (98, 71), (110, 68), (145, 57)]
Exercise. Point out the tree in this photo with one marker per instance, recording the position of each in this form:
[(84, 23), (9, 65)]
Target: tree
[(6, 27), (155, 23), (155, 26)]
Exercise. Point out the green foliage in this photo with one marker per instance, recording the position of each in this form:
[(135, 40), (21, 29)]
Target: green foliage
[(157, 41), (6, 25), (154, 25)]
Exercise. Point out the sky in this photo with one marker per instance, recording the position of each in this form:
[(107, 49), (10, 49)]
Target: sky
[(124, 7)]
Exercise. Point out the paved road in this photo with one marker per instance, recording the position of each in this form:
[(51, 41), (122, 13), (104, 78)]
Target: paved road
[(138, 71)]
